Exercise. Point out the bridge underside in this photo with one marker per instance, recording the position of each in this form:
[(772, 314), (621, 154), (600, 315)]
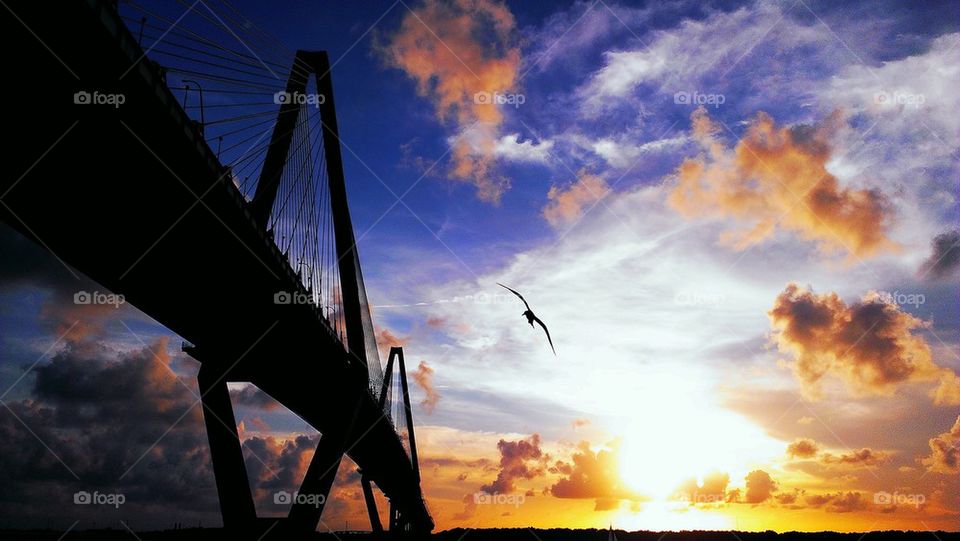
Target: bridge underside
[(133, 198)]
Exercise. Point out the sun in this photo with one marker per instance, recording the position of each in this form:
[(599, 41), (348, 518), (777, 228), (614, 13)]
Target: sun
[(676, 436)]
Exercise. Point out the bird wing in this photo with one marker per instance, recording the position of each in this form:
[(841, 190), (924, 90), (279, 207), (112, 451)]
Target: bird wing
[(517, 294), (535, 318)]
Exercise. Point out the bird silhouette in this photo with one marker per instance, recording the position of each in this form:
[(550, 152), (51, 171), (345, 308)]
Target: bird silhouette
[(531, 317)]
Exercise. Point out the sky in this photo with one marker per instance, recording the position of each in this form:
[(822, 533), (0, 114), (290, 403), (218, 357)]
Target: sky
[(737, 219)]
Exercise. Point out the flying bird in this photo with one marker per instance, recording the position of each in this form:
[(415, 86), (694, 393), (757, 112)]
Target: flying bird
[(531, 317)]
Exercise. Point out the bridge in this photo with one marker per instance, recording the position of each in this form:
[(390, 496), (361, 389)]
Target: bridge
[(199, 173)]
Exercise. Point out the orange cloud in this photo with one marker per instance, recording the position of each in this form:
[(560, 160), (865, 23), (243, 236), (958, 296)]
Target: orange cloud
[(777, 177), (567, 205), (803, 448), (760, 487), (424, 378), (947, 393), (456, 51), (869, 344), (592, 475), (945, 451)]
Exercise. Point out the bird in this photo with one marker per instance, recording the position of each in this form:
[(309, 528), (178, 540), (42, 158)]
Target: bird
[(531, 317)]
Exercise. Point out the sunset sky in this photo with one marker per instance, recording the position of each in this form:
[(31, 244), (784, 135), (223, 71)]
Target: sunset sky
[(738, 219)]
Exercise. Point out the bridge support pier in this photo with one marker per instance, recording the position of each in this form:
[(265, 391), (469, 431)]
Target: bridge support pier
[(312, 497), (372, 512), (226, 453)]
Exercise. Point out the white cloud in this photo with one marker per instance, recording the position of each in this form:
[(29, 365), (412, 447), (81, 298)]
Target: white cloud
[(509, 147), (697, 55), (620, 154)]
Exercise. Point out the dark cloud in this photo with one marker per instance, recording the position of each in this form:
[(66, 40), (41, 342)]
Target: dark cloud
[(944, 257), (870, 345), (252, 397), (120, 423), (838, 502), (861, 457), (521, 459)]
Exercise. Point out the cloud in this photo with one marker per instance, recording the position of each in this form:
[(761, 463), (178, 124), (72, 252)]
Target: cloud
[(803, 448), (424, 378), (944, 451), (623, 154), (567, 205), (579, 423), (592, 475), (520, 459), (945, 257), (862, 457), (760, 486), (838, 502), (776, 177), (511, 148), (870, 345), (64, 439), (251, 396), (713, 489), (456, 51), (947, 393)]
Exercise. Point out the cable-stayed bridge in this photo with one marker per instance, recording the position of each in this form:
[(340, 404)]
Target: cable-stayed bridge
[(177, 154)]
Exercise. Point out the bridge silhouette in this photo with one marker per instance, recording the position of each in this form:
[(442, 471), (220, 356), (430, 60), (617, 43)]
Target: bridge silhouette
[(203, 180)]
